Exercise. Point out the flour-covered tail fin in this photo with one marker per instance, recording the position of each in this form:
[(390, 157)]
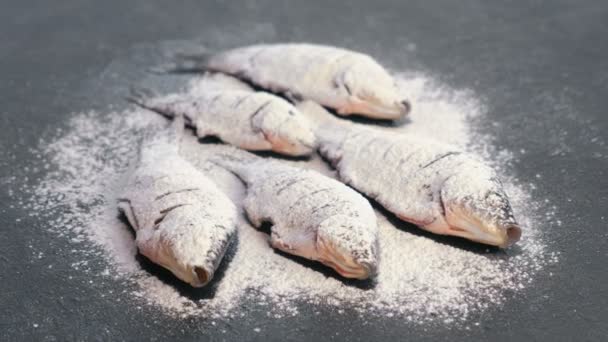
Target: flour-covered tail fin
[(184, 63), (162, 142), (317, 114), (139, 96), (148, 99), (176, 129), (235, 160), (329, 130)]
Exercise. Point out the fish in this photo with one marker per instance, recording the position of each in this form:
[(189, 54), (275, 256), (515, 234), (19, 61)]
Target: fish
[(311, 215), (182, 220), (433, 185), (255, 121), (349, 82)]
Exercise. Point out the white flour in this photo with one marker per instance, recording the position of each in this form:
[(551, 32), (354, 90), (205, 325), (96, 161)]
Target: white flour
[(420, 279)]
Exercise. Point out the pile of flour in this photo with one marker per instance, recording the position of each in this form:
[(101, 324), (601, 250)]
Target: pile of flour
[(421, 278)]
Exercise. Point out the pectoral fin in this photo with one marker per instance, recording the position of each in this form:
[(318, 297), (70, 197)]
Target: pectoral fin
[(125, 207)]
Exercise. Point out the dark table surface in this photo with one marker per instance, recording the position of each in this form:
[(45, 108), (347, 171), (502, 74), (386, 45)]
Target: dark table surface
[(540, 66)]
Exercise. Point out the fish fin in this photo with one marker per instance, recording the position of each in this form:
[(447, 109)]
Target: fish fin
[(141, 96), (177, 128), (316, 113), (324, 122), (124, 206), (138, 95), (234, 160), (278, 243), (184, 63), (293, 97), (256, 221), (227, 161), (167, 138), (295, 245), (202, 131), (330, 131)]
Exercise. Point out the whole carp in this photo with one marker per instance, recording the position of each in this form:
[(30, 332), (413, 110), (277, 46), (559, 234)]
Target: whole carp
[(347, 81), (312, 216), (181, 219), (433, 185)]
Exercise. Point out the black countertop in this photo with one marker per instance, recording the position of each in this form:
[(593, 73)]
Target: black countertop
[(541, 68)]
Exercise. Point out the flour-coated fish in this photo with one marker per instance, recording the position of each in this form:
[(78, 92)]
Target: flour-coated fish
[(312, 216), (255, 121), (347, 81), (181, 219), (433, 185)]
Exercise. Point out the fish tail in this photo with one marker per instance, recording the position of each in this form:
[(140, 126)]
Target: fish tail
[(317, 115), (184, 63), (171, 135), (168, 137), (325, 125), (176, 129), (234, 160), (141, 97)]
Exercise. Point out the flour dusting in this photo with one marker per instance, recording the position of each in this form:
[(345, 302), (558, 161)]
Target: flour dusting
[(421, 278)]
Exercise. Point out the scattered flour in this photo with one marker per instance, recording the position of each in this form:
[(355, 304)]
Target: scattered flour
[(421, 279)]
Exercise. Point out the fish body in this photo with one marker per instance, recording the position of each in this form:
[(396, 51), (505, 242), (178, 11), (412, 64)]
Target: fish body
[(255, 121), (433, 185), (209, 81), (312, 216), (181, 219), (346, 81)]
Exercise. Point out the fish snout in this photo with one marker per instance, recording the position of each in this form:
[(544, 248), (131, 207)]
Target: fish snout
[(483, 214), (391, 109), (163, 254), (291, 146), (343, 262), (483, 231), (406, 107), (370, 269), (200, 276), (512, 235), (197, 273)]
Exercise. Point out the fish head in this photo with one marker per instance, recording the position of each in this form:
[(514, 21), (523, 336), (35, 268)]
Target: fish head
[(288, 131), (477, 208), (371, 91), (348, 246), (187, 244)]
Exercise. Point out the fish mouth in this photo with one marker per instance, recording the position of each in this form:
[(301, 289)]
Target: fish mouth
[(296, 148), (502, 236), (201, 277), (293, 150), (398, 110), (342, 263), (196, 276)]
